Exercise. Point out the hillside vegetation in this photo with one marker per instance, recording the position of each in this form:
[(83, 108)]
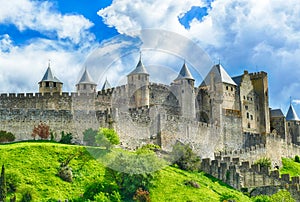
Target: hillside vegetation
[(34, 166)]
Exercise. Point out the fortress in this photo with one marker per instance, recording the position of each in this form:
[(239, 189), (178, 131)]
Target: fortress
[(223, 117)]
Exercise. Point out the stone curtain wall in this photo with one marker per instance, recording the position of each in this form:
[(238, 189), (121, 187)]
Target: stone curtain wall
[(250, 177)]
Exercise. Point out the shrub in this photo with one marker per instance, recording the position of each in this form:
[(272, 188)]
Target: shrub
[(27, 195), (42, 130), (141, 195), (282, 195), (184, 157), (107, 137), (89, 136), (66, 138), (101, 191), (297, 159), (6, 136), (264, 162)]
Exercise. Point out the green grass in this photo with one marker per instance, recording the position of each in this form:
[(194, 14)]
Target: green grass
[(290, 167), (36, 165)]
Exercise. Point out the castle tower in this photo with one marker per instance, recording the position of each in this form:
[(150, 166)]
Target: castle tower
[(222, 90), (183, 86), (86, 83), (260, 87), (138, 86), (293, 125), (49, 83)]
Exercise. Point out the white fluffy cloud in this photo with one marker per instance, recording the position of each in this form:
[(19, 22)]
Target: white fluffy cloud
[(244, 34), (42, 17), (68, 42)]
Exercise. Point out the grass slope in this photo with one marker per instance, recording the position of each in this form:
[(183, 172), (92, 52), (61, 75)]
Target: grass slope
[(290, 167), (36, 165)]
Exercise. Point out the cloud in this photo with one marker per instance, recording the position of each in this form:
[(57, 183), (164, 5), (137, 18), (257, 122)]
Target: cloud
[(244, 34), (41, 16)]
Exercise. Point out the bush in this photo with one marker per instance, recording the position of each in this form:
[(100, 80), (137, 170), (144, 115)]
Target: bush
[(66, 138), (264, 162), (42, 130), (141, 195), (282, 195), (185, 158), (107, 137), (6, 136), (27, 195), (89, 136), (297, 159), (261, 198), (102, 191)]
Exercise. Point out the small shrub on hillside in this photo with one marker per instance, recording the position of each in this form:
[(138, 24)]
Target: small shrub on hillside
[(184, 157), (66, 138), (264, 162), (141, 195), (282, 195), (3, 187), (297, 159), (102, 189), (6, 136), (27, 195)]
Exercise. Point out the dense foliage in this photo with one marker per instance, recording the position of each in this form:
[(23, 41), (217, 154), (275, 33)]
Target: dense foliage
[(42, 130), (6, 136), (184, 157), (107, 137), (264, 162), (3, 189), (66, 138)]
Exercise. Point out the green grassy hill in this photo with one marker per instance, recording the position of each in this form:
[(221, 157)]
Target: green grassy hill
[(34, 166)]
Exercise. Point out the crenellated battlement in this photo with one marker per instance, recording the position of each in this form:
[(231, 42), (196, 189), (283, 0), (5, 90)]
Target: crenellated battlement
[(256, 75)]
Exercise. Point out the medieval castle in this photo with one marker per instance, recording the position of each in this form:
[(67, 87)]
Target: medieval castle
[(223, 116)]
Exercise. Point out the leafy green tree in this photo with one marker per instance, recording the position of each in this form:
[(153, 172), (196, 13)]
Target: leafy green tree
[(184, 157), (89, 136), (107, 137), (297, 159), (3, 189)]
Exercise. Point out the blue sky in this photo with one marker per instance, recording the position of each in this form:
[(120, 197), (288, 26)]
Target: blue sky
[(242, 34)]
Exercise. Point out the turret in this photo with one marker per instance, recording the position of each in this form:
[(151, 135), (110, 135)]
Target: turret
[(106, 85), (50, 83), (138, 86), (293, 125), (183, 87), (86, 83)]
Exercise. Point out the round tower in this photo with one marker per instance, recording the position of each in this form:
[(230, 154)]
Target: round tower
[(183, 86), (138, 86), (86, 83), (50, 83)]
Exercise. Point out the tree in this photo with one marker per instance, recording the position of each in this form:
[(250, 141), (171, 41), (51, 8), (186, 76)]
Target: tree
[(3, 189), (6, 136), (89, 137), (107, 137), (184, 157), (42, 130)]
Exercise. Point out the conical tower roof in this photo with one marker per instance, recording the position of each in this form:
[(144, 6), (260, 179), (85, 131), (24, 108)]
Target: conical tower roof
[(48, 76), (86, 78), (291, 114), (221, 76), (139, 69), (184, 73), (106, 85)]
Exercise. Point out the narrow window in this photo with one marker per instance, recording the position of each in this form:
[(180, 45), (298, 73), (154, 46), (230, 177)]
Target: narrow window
[(247, 115), (226, 87), (251, 117), (249, 126)]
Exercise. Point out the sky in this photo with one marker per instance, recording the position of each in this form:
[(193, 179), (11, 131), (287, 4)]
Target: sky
[(107, 36)]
